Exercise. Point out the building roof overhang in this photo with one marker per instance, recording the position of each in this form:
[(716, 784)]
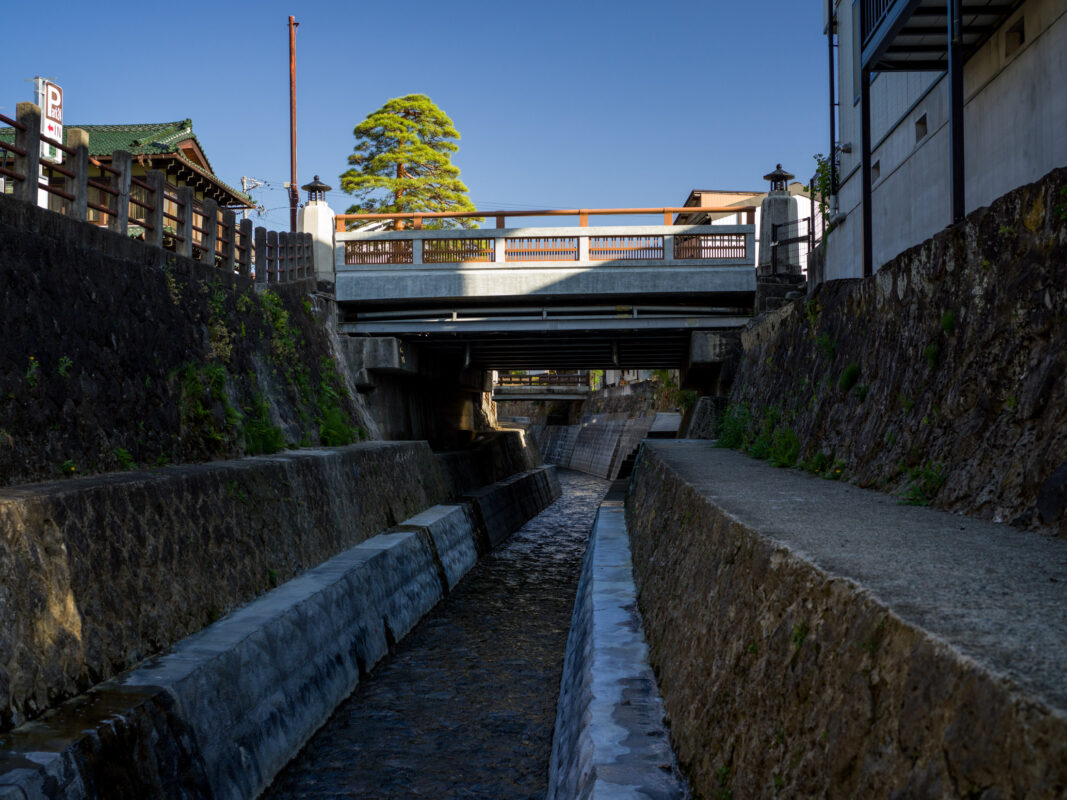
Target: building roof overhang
[(913, 35)]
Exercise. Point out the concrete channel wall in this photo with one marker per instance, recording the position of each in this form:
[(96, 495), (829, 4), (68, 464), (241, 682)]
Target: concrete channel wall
[(223, 711), (813, 639), (597, 446), (610, 738)]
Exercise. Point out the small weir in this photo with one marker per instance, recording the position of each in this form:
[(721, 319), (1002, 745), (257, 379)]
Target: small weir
[(465, 706)]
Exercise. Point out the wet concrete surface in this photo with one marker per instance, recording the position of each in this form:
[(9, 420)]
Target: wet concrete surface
[(465, 707)]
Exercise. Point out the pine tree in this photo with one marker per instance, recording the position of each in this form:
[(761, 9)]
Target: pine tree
[(402, 162)]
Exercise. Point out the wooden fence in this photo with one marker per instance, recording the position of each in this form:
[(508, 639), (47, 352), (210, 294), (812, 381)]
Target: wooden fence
[(164, 215)]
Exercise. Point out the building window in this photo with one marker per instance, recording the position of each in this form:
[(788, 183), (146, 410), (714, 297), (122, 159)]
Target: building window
[(1014, 38), (920, 129), (876, 171)]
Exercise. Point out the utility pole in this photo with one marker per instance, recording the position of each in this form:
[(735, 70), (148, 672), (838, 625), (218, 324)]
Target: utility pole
[(294, 195), (247, 185)]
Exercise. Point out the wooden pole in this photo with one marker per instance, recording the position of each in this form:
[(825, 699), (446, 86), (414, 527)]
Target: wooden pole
[(294, 196)]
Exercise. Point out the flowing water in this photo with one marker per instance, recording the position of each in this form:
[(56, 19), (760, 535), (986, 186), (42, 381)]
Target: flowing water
[(465, 706)]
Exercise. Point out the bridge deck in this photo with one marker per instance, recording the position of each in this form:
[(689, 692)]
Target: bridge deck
[(517, 298)]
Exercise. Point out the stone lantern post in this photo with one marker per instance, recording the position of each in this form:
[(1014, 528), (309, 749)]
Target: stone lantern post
[(778, 208), (317, 218)]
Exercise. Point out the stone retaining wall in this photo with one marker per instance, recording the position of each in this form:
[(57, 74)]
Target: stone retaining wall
[(223, 711), (598, 446), (117, 354), (786, 675), (940, 377)]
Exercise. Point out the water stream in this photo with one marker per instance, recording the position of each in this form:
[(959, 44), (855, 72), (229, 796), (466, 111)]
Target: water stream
[(465, 706)]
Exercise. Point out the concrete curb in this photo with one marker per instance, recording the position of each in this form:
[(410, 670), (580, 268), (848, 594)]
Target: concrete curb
[(610, 739), (225, 709)]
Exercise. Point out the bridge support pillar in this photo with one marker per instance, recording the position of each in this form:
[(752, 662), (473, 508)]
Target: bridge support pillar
[(713, 360), (411, 397)]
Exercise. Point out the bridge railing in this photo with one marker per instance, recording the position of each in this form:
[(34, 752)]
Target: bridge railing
[(555, 378), (696, 245)]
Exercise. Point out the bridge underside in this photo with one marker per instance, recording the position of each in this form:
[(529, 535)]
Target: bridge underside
[(620, 337), (593, 350)]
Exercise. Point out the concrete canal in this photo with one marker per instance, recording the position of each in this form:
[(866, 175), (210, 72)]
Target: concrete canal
[(465, 706)]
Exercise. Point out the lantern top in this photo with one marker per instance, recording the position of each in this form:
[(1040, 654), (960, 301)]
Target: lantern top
[(779, 178), (316, 190)]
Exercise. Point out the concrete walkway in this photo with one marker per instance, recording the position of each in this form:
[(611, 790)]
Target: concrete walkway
[(996, 594)]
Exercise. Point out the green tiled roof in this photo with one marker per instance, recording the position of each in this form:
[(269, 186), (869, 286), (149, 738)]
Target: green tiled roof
[(142, 138)]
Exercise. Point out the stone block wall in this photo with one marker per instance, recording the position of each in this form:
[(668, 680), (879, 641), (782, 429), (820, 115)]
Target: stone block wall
[(118, 354), (97, 573), (940, 377)]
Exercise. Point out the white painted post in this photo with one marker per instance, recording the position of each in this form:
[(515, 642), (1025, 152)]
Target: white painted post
[(500, 248), (583, 247), (668, 247), (416, 250), (317, 220)]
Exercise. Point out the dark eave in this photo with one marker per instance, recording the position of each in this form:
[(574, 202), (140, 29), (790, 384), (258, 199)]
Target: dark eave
[(912, 35)]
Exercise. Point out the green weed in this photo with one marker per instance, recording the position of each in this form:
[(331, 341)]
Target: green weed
[(932, 354), (733, 426), (925, 482), (849, 376), (33, 371), (260, 436), (825, 345), (64, 366), (800, 633), (784, 447), (69, 468), (126, 461), (948, 322), (334, 428)]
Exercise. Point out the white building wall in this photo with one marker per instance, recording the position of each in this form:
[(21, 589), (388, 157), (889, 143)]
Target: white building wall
[(1015, 119)]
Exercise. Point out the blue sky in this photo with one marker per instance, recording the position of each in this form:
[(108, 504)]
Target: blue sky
[(560, 104)]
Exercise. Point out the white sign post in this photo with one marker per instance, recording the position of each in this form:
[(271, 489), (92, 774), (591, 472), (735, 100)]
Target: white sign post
[(51, 103), (50, 100)]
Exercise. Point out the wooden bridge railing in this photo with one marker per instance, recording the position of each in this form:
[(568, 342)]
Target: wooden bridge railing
[(164, 215), (577, 378)]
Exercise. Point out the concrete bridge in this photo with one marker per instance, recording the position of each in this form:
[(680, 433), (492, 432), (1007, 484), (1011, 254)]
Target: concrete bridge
[(560, 297)]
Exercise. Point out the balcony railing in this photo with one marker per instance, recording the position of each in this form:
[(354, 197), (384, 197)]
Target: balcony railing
[(872, 12)]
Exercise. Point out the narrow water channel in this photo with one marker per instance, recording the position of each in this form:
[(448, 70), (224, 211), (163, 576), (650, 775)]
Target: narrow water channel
[(466, 705)]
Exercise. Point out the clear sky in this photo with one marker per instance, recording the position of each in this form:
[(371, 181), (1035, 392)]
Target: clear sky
[(560, 104)]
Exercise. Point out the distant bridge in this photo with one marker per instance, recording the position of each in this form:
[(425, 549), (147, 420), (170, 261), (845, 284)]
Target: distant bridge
[(559, 298)]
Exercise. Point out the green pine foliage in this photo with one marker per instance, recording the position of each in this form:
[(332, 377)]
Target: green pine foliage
[(402, 162)]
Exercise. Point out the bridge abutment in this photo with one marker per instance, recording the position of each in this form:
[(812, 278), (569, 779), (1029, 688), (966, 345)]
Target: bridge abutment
[(414, 396)]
